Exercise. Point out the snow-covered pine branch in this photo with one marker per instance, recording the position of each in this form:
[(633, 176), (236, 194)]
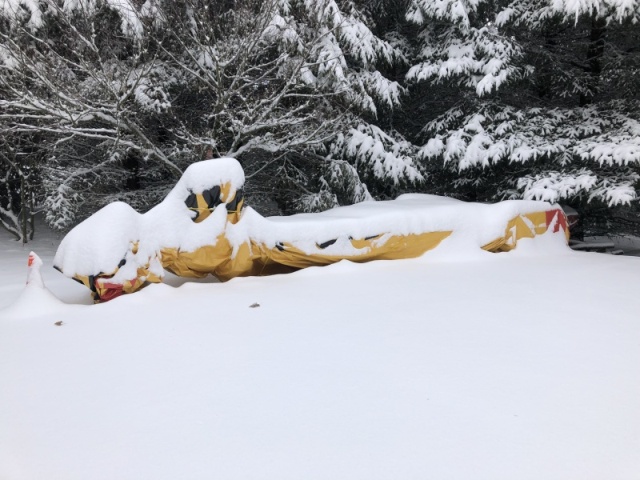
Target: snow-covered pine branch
[(591, 151), (278, 79), (378, 155), (335, 51), (538, 13), (458, 44)]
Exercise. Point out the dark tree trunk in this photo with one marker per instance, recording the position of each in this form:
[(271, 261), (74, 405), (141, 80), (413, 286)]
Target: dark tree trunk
[(132, 164), (595, 52)]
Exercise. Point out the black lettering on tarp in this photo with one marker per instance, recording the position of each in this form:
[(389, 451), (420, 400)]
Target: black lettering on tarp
[(212, 197), (191, 201), (232, 206), (326, 244)]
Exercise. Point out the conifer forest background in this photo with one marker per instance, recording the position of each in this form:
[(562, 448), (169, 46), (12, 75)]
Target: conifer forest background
[(324, 102)]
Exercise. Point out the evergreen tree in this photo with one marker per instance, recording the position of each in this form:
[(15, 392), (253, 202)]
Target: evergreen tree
[(548, 105), (325, 102), (124, 97)]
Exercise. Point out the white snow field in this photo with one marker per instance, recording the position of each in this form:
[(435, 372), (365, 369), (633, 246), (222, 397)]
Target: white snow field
[(460, 365)]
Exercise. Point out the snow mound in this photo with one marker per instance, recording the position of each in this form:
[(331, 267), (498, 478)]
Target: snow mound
[(35, 300), (549, 244)]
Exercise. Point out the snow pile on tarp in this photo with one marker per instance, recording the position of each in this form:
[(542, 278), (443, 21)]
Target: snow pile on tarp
[(215, 235), (473, 224), (98, 243)]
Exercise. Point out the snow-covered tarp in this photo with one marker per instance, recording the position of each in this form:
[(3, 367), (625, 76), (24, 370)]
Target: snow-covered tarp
[(203, 228)]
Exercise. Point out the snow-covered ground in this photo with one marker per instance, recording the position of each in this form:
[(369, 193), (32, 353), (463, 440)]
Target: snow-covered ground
[(458, 365)]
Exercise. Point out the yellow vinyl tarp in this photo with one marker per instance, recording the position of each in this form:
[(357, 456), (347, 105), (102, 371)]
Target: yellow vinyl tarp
[(253, 258), (227, 259)]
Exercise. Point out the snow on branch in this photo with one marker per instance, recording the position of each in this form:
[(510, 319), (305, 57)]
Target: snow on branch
[(479, 58), (351, 30), (590, 147), (612, 10), (61, 206), (344, 178), (340, 184), (282, 30), (500, 133), (386, 91), (32, 12), (149, 85), (538, 13), (455, 11), (335, 51), (131, 23), (9, 219), (619, 190), (18, 11), (553, 186), (386, 157), (324, 199)]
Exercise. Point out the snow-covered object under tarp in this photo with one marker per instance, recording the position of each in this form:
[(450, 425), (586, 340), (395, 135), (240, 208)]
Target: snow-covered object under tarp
[(202, 228)]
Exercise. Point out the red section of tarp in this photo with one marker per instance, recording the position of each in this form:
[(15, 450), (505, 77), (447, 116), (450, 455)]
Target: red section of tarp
[(561, 221), (109, 291)]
